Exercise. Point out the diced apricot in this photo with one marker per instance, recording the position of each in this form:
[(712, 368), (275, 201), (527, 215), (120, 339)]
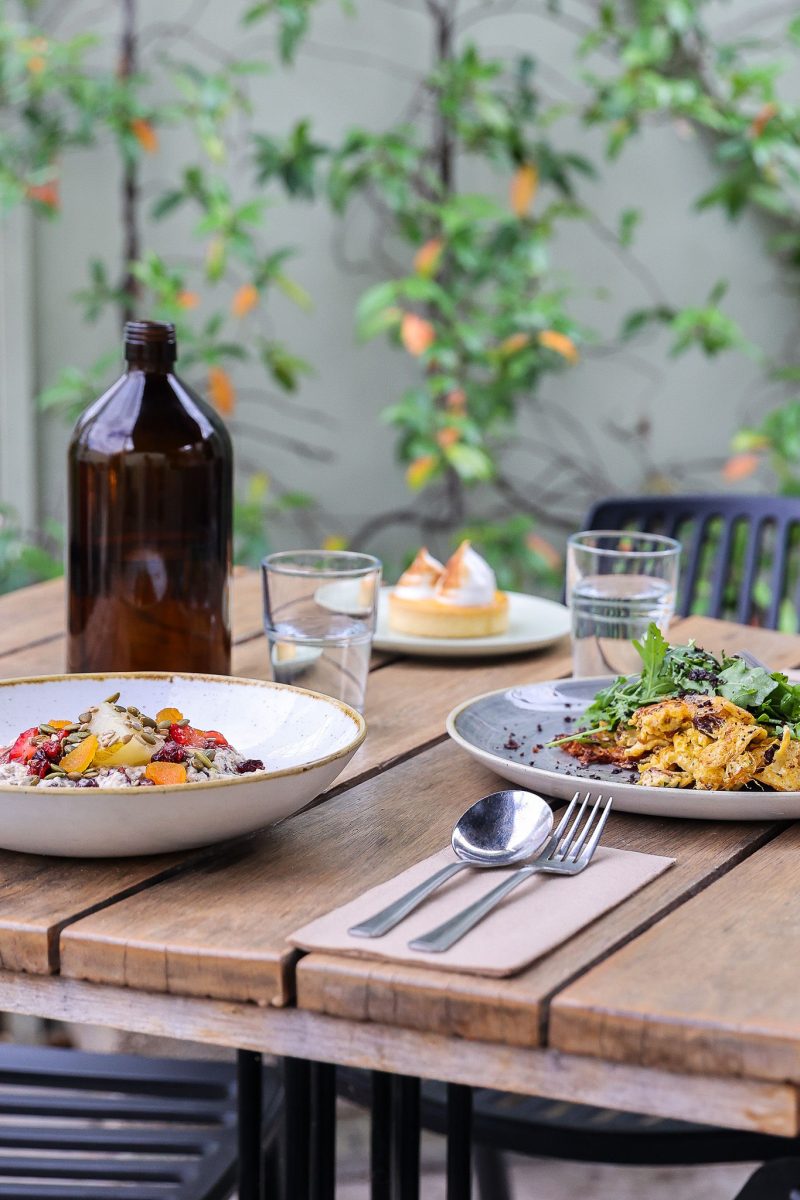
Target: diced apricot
[(165, 772), (169, 714), (59, 724), (81, 757)]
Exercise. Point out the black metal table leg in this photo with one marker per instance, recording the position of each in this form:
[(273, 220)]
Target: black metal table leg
[(323, 1131), (405, 1123), (459, 1142), (249, 1074), (381, 1137), (297, 1128)]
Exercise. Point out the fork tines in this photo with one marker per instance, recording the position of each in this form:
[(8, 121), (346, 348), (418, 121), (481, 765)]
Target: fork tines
[(575, 837)]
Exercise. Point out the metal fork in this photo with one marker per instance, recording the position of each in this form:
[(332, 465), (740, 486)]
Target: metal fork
[(568, 852)]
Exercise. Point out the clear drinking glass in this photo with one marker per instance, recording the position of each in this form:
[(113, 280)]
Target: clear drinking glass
[(617, 583), (320, 608)]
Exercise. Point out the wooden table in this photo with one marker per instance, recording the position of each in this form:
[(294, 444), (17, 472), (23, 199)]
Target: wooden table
[(683, 1001)]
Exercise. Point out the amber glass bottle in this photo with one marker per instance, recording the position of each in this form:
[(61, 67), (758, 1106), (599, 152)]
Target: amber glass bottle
[(150, 514)]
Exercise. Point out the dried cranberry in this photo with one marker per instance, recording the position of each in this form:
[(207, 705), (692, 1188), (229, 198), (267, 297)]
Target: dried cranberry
[(84, 782), (47, 753), (145, 782), (249, 764), (170, 752)]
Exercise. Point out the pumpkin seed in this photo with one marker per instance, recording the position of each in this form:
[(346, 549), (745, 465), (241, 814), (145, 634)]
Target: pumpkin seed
[(128, 737), (134, 724), (184, 721), (112, 699), (211, 753), (163, 724), (34, 781), (75, 775), (150, 738), (45, 728), (133, 710), (90, 772), (56, 770), (73, 728), (203, 759), (148, 722), (120, 708)]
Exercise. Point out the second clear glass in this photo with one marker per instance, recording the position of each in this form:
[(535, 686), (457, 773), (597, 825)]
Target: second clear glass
[(617, 583), (320, 609)]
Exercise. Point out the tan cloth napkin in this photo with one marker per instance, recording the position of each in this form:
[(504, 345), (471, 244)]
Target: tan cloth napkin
[(541, 913)]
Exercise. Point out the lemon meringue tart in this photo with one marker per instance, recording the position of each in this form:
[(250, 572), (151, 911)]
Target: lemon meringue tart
[(457, 600)]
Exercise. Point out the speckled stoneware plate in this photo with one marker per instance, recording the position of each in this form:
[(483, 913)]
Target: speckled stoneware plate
[(304, 739), (508, 731), (533, 623)]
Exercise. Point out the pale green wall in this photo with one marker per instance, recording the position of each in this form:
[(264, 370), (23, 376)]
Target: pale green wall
[(694, 406)]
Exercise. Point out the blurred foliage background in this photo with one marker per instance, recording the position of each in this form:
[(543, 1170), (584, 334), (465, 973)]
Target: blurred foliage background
[(467, 194)]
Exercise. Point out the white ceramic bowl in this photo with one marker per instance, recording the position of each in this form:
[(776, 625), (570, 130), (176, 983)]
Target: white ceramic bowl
[(304, 739)]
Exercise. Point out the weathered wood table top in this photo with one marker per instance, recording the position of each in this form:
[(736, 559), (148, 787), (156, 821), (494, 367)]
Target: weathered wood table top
[(682, 1001)]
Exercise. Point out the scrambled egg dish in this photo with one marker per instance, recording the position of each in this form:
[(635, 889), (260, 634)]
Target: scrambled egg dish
[(698, 741)]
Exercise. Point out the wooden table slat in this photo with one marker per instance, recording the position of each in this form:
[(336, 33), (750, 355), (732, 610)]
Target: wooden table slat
[(713, 988)]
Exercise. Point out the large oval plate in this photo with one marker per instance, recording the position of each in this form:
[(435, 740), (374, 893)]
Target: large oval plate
[(533, 623), (303, 738), (508, 731)]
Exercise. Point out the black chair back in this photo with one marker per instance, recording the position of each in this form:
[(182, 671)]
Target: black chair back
[(741, 553)]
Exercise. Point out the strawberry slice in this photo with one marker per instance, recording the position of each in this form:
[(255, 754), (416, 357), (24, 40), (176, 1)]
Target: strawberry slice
[(24, 747), (214, 739), (184, 735)]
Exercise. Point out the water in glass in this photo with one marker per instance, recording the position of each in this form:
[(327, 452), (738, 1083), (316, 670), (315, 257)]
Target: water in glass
[(607, 612)]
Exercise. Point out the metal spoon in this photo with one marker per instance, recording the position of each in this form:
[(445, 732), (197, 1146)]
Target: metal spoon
[(498, 830)]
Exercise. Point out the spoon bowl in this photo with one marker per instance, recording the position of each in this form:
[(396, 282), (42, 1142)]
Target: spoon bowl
[(497, 830), (502, 828)]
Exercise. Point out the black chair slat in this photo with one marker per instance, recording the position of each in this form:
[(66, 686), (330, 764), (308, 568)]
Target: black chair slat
[(777, 579), (212, 1081), (105, 1168), (105, 1140), (132, 1108), (744, 605), (70, 1191)]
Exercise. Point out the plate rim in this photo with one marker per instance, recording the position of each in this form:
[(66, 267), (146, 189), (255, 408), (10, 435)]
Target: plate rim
[(204, 785), (471, 748), (469, 647)]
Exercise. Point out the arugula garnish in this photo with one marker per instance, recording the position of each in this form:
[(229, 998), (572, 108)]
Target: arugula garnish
[(678, 670)]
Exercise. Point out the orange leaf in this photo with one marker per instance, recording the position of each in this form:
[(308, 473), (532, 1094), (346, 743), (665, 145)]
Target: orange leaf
[(221, 390), (188, 299), (546, 550), (36, 64), (517, 341), (523, 188), (456, 402), (559, 343), (165, 772), (428, 257), (334, 541), (740, 466), (762, 119), (420, 471), (245, 300), (44, 193), (145, 135), (447, 437), (416, 334)]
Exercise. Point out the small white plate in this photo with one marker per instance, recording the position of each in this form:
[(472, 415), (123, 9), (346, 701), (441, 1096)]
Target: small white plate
[(532, 624), (508, 732)]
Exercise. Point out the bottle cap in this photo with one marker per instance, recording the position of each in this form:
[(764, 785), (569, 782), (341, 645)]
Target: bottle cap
[(150, 345)]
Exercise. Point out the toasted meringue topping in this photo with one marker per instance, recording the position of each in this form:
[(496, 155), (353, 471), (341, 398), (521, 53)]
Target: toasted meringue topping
[(421, 578), (467, 580)]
